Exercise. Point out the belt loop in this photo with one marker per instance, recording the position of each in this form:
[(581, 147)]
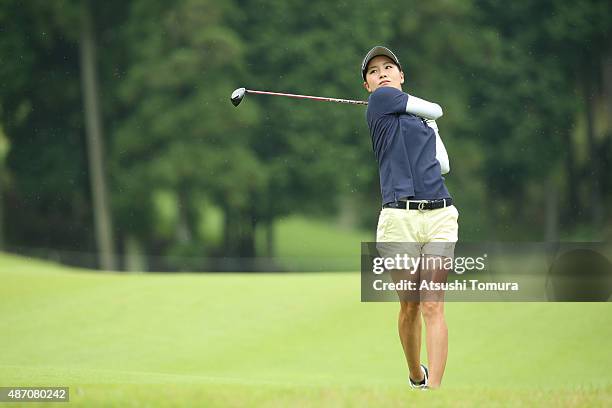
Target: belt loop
[(444, 200)]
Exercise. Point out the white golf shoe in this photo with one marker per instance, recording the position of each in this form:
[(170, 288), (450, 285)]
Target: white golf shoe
[(423, 384)]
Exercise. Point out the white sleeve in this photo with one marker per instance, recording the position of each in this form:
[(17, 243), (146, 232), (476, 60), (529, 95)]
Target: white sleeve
[(441, 154), (423, 108)]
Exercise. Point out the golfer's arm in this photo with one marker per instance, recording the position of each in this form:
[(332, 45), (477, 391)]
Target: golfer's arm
[(423, 108), (441, 154)]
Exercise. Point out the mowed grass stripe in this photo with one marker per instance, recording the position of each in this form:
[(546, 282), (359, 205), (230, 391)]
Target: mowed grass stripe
[(281, 331)]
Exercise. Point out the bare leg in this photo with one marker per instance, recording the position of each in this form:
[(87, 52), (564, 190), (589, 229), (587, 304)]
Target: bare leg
[(437, 340), (409, 326), (436, 335)]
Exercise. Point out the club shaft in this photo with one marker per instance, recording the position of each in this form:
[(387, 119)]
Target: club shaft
[(316, 98)]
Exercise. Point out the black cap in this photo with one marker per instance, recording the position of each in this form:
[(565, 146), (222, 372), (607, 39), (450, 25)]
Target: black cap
[(375, 52)]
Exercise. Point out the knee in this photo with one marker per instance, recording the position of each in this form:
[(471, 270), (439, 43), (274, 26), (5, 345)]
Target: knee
[(410, 310), (432, 310)]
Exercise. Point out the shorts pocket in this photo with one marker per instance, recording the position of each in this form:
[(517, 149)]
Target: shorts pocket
[(383, 225), (456, 211)]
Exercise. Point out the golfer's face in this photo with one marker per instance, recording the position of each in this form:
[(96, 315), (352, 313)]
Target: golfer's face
[(383, 72)]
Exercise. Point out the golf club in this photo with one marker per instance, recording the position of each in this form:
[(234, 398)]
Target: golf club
[(238, 96)]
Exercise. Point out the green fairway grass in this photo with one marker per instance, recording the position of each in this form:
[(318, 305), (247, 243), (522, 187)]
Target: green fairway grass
[(310, 244), (298, 236), (300, 339)]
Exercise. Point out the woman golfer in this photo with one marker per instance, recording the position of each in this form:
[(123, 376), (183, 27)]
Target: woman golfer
[(417, 216)]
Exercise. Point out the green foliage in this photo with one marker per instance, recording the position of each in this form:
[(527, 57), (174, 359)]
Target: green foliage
[(517, 82), (176, 135), (41, 113)]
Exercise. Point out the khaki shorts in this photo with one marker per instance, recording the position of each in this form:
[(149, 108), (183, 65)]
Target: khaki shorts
[(429, 232)]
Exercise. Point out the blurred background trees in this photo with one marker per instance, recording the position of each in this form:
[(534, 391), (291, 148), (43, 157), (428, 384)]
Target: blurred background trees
[(526, 88)]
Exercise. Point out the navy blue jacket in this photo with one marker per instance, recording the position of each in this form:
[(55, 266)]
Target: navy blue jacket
[(405, 148)]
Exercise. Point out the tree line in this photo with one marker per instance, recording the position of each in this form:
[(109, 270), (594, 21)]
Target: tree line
[(526, 88)]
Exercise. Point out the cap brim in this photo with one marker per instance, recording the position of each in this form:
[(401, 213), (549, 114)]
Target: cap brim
[(375, 52)]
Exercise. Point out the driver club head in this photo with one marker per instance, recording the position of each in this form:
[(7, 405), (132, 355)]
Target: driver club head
[(237, 96)]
